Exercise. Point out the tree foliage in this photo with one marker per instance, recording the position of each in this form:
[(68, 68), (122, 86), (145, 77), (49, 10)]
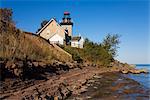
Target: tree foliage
[(92, 53), (95, 53), (110, 44), (6, 15), (43, 23), (6, 22)]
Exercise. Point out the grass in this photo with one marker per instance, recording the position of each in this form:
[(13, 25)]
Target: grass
[(27, 45), (15, 43)]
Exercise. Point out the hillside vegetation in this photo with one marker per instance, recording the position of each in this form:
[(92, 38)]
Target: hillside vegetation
[(101, 54), (16, 44), (21, 52)]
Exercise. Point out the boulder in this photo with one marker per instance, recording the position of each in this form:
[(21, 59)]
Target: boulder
[(83, 89), (42, 64), (143, 70), (134, 71), (56, 98), (9, 64), (97, 76), (36, 64), (125, 72), (91, 81), (138, 71), (18, 70), (29, 64)]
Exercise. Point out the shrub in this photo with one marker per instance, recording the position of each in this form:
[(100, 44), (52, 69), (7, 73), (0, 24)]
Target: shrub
[(77, 58)]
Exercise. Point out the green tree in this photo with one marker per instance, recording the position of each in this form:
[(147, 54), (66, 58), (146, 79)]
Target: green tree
[(6, 15), (5, 19), (95, 53), (110, 43), (43, 23)]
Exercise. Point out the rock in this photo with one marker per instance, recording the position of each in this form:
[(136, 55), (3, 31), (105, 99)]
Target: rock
[(19, 64), (88, 97), (35, 64), (88, 84), (43, 96), (134, 71), (95, 87), (42, 64), (71, 65), (13, 65), (143, 70), (36, 97), (83, 88), (91, 81), (29, 63), (56, 98), (17, 72), (82, 81), (138, 71), (97, 76), (132, 65), (47, 97), (57, 63), (125, 72), (64, 92), (9, 64), (78, 98)]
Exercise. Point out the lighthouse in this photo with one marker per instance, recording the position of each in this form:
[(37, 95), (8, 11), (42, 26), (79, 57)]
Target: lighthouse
[(66, 23)]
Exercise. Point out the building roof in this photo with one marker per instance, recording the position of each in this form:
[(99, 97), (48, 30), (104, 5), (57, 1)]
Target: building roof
[(47, 25), (66, 13), (76, 38)]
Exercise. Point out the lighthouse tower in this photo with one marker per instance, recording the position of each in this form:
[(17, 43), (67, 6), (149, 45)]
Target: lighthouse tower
[(67, 23)]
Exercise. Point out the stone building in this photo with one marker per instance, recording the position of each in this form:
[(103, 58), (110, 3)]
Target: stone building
[(59, 33)]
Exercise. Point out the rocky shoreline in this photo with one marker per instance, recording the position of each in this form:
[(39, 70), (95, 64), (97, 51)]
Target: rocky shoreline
[(60, 81), (112, 86)]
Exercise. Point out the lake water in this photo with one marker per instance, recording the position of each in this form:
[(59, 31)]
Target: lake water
[(143, 79)]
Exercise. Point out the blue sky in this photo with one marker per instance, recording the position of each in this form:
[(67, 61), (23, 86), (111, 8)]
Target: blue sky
[(93, 19)]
